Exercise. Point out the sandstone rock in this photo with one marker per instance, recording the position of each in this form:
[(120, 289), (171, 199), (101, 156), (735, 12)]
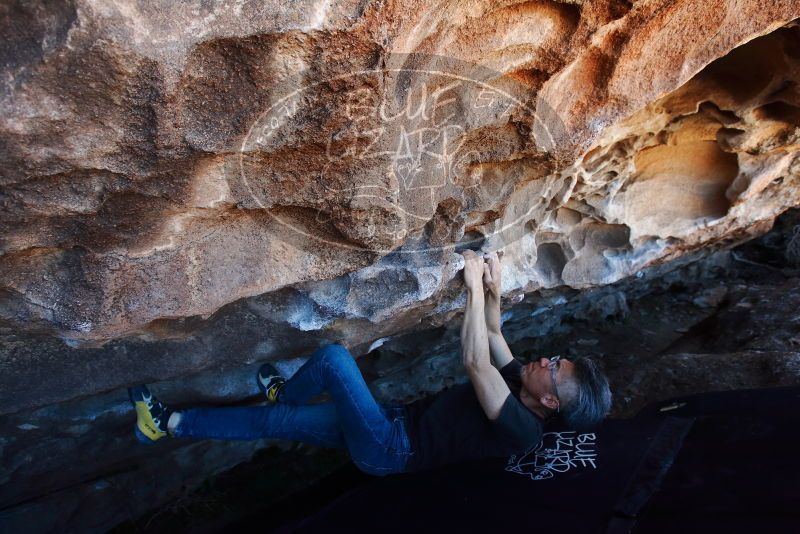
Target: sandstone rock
[(160, 163)]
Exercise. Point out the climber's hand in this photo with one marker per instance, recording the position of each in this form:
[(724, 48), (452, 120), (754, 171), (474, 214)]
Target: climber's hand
[(473, 271), (492, 276)]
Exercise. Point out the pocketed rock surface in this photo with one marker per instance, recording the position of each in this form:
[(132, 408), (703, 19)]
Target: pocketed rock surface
[(188, 189)]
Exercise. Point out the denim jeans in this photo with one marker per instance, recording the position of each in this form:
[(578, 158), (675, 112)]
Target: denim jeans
[(373, 433)]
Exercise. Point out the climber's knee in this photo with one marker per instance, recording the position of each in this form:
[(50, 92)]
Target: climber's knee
[(335, 354)]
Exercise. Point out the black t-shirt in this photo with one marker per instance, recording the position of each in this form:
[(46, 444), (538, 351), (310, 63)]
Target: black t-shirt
[(451, 426)]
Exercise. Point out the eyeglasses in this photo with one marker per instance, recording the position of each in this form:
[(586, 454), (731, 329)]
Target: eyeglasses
[(554, 366)]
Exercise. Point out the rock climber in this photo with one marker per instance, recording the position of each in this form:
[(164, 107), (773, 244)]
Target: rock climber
[(500, 411)]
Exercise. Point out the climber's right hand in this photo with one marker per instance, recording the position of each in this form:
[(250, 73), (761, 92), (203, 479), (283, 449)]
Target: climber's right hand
[(492, 276)]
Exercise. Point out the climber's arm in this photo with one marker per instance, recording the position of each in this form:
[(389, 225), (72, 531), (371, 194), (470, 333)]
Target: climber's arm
[(489, 385), (501, 354)]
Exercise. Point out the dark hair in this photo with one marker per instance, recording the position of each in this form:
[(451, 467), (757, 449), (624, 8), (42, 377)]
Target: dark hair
[(591, 401)]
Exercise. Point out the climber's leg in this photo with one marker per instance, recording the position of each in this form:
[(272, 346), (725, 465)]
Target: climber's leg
[(377, 443), (374, 434), (307, 382), (317, 424)]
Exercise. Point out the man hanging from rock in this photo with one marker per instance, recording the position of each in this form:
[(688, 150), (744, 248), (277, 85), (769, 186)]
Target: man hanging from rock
[(501, 411)]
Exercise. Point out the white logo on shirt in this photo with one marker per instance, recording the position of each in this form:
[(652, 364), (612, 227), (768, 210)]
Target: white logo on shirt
[(558, 452)]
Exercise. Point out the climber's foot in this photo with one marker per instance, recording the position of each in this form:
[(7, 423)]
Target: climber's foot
[(152, 415), (270, 381)]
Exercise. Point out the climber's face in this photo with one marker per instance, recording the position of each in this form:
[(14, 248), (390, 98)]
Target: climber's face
[(546, 381)]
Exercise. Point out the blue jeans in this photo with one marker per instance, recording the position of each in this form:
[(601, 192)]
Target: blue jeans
[(373, 433)]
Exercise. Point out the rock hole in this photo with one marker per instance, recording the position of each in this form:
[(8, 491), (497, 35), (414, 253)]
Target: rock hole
[(779, 111), (550, 262), (619, 8), (602, 236), (724, 116)]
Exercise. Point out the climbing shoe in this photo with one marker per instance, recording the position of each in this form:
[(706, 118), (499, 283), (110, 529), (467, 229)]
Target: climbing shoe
[(270, 381), (152, 415)]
